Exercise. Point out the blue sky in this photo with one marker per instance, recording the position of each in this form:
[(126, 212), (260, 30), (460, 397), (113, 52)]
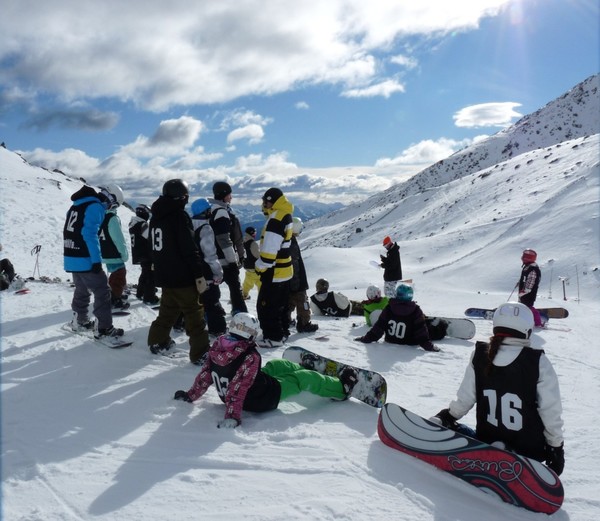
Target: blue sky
[(352, 95)]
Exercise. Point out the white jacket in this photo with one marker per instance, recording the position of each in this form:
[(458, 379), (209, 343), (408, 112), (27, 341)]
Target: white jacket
[(548, 392)]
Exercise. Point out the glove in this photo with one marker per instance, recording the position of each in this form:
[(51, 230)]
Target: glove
[(183, 396), (97, 267), (447, 419), (228, 423), (430, 346), (555, 458), (201, 285)]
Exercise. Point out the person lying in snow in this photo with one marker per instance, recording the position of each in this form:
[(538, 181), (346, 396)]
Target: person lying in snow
[(234, 365)]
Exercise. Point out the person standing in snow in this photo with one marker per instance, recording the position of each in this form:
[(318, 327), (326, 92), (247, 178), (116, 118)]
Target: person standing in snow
[(113, 247), (82, 258), (529, 282), (178, 271), (213, 271), (330, 303), (392, 267), (234, 365), (229, 241), (141, 255), (515, 390), (298, 299), (275, 268), (402, 322), (251, 278)]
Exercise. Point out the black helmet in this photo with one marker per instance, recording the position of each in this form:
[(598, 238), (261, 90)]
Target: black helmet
[(176, 189), (250, 230), (271, 195), (221, 189), (322, 285), (143, 212)]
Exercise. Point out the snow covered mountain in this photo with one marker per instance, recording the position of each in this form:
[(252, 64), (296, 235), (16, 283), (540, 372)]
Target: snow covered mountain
[(513, 190)]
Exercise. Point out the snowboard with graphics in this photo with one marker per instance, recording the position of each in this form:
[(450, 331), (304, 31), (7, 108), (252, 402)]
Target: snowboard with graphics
[(371, 387), (544, 312), (515, 479), (112, 342), (455, 327)]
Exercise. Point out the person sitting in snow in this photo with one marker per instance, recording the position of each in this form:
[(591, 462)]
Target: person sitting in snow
[(325, 302), (7, 273), (374, 305), (508, 366), (402, 322), (234, 365)]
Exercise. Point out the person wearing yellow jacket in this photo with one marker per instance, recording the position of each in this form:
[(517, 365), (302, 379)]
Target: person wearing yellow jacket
[(275, 268)]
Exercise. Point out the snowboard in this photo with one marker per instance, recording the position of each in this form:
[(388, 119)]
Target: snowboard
[(457, 327), (515, 479), (120, 313), (90, 336), (544, 312), (371, 387)]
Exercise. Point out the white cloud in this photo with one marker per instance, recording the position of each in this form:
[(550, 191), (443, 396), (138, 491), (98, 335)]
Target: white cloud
[(302, 105), (424, 153), (384, 89), (253, 133), (173, 137), (404, 61), (487, 115), (162, 54)]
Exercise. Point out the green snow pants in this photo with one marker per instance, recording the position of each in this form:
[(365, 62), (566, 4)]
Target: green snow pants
[(294, 379)]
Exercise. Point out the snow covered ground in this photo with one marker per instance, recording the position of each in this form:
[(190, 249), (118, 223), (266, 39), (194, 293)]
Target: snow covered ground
[(93, 433)]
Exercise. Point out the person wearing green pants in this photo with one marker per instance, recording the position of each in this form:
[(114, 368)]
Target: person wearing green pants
[(233, 364)]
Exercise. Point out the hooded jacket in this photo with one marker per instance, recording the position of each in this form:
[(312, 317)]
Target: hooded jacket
[(275, 241), (177, 261), (402, 323), (80, 233)]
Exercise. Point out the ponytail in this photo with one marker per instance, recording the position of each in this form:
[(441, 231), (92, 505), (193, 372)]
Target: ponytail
[(494, 345)]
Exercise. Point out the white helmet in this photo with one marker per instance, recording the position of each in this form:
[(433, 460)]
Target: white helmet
[(373, 293), (513, 319), (297, 226), (244, 325), (114, 194)]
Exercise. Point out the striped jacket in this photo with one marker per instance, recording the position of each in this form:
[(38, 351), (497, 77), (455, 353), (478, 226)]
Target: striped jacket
[(275, 241)]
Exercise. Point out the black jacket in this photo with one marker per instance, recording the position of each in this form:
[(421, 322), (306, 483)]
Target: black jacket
[(177, 261), (392, 266), (298, 282)]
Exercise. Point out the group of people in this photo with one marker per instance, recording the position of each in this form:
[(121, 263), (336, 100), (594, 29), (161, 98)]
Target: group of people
[(512, 384)]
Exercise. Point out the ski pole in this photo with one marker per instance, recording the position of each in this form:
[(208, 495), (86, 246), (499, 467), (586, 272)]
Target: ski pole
[(516, 285), (36, 251)]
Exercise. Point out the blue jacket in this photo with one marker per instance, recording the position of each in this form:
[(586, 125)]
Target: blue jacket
[(80, 233)]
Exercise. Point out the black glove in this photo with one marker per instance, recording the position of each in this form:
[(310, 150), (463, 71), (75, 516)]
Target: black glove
[(182, 395), (555, 458), (97, 267), (447, 419)]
